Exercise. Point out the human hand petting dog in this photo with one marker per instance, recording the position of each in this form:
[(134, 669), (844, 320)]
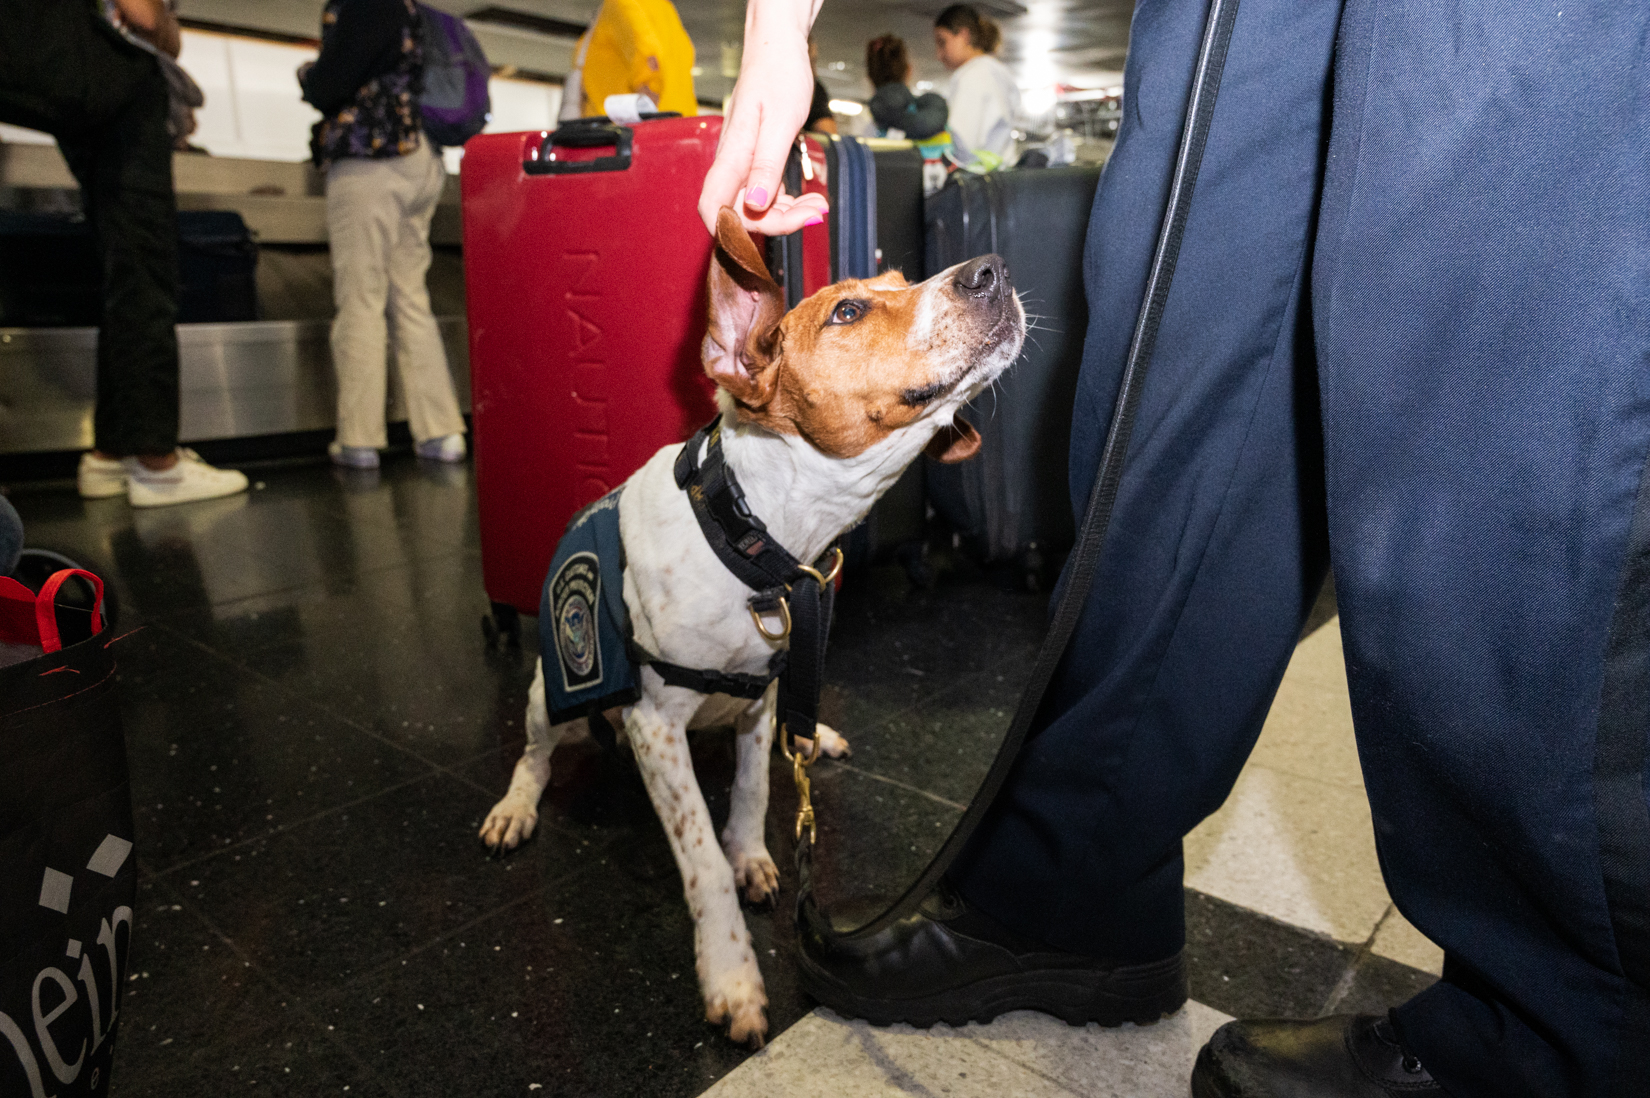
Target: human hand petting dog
[(766, 112)]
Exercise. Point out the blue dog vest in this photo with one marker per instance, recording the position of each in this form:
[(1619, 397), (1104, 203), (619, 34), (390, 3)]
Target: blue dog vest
[(583, 622)]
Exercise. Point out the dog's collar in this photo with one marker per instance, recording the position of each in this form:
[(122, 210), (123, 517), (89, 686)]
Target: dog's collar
[(738, 537)]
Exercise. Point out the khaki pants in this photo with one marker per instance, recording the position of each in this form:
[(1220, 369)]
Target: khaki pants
[(378, 220)]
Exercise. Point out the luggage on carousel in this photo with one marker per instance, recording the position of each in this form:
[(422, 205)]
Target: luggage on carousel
[(50, 275), (1010, 504), (217, 268), (49, 271)]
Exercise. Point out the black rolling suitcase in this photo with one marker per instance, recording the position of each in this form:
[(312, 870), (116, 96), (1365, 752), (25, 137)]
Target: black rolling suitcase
[(899, 208), (876, 224), (1010, 505)]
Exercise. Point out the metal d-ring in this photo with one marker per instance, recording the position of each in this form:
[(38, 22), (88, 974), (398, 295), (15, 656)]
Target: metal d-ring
[(784, 616), (823, 579), (785, 748)]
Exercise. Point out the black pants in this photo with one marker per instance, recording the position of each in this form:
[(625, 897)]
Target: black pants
[(105, 102), (1408, 331)]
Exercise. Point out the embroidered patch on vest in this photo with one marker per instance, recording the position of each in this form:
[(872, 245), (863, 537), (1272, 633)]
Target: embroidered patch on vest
[(575, 595)]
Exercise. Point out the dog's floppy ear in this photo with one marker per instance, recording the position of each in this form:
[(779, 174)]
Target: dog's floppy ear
[(746, 306), (957, 441)]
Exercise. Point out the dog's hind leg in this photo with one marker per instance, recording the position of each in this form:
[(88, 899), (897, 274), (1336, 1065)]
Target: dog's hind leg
[(745, 838), (513, 819), (729, 979)]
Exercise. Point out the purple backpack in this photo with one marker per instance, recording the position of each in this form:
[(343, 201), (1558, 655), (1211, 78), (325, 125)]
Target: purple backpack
[(454, 102)]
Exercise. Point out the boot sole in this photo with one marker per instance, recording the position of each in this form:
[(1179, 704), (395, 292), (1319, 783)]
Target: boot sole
[(1139, 994)]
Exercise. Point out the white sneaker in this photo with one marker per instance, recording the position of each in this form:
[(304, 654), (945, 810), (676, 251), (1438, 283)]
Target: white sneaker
[(352, 457), (449, 448), (100, 478), (188, 480)]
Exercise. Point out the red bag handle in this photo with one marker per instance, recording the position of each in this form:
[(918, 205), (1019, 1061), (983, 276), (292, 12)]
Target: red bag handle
[(45, 607)]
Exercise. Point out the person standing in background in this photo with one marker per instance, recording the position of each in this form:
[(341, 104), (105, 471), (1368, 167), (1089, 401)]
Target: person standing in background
[(983, 99), (897, 112), (384, 178), (633, 46), (86, 81), (820, 118)]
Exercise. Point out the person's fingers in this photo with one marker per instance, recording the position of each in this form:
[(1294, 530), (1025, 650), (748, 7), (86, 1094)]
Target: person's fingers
[(786, 215), (732, 165), (774, 138)]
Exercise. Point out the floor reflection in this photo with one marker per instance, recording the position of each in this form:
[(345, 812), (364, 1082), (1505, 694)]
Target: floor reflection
[(316, 729)]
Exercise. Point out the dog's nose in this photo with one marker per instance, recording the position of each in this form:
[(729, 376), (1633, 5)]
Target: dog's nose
[(985, 278)]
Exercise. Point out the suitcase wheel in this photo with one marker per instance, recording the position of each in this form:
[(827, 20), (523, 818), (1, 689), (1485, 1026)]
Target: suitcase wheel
[(913, 557), (502, 627), (1032, 565)]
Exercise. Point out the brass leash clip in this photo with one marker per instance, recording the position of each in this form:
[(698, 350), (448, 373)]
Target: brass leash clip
[(805, 804), (804, 787)]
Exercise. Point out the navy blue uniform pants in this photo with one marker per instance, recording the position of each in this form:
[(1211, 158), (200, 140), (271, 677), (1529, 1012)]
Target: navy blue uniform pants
[(1409, 332)]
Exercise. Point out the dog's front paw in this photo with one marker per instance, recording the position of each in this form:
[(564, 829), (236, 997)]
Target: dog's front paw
[(738, 1000), (831, 744), (756, 874), (509, 824)]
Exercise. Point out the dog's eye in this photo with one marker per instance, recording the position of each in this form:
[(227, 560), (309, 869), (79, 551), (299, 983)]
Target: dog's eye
[(846, 312)]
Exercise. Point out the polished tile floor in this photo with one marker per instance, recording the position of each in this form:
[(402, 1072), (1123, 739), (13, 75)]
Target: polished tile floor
[(316, 727)]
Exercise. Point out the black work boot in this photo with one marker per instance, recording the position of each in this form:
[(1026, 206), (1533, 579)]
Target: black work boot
[(950, 963), (1342, 1056)]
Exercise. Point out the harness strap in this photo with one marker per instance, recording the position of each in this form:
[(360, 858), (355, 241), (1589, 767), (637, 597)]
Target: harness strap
[(810, 608), (732, 683)]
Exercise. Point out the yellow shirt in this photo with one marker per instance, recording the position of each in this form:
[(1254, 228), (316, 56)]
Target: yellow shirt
[(639, 46)]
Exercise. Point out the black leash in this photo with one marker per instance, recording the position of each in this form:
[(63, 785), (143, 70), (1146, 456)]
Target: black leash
[(1091, 538)]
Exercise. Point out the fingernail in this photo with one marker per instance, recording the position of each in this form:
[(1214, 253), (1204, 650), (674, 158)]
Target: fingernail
[(813, 221), (757, 196)]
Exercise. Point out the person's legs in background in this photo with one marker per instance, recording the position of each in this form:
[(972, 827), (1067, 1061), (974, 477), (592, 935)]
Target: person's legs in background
[(105, 101), (124, 167), (364, 203), (420, 359), (378, 223)]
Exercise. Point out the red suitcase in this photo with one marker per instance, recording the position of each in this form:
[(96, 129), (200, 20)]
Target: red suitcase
[(584, 337)]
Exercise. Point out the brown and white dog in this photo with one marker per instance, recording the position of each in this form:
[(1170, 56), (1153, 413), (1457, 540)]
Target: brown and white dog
[(822, 409)]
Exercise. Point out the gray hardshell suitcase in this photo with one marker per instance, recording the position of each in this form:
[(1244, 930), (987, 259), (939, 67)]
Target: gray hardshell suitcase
[(1011, 502)]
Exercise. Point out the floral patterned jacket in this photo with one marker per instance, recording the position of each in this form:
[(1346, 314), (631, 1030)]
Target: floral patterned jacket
[(383, 119)]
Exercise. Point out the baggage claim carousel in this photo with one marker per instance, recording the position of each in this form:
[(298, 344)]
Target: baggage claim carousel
[(266, 382)]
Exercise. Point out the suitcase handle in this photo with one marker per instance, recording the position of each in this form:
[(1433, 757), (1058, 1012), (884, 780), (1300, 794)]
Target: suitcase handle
[(582, 137), (587, 133)]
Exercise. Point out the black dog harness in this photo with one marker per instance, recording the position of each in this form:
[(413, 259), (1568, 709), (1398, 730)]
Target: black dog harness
[(801, 595), (582, 618)]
